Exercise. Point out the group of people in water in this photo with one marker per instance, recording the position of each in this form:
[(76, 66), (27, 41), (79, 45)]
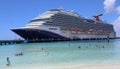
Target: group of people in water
[(42, 49), (19, 54), (8, 60), (102, 46), (47, 53)]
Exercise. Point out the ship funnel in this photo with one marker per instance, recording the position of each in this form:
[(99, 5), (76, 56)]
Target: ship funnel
[(96, 17)]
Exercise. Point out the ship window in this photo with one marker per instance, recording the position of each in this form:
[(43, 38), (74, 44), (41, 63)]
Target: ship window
[(52, 28)]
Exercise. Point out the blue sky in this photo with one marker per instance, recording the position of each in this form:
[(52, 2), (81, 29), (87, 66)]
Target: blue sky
[(17, 13)]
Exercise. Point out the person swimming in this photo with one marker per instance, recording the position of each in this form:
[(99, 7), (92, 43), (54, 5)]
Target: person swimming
[(101, 47), (19, 54), (89, 44), (42, 49), (79, 46), (47, 54)]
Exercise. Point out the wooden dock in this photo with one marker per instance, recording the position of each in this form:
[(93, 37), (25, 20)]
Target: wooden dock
[(6, 42)]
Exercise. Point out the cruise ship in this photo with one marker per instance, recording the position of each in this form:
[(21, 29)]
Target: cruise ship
[(59, 24)]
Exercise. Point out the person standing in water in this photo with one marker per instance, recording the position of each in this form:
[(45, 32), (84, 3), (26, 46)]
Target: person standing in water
[(8, 61), (108, 39)]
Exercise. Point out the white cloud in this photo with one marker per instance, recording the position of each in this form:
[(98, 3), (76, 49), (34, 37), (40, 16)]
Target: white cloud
[(109, 5), (116, 24), (117, 21), (118, 9)]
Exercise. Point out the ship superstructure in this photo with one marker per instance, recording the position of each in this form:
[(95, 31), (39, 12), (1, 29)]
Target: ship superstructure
[(58, 24)]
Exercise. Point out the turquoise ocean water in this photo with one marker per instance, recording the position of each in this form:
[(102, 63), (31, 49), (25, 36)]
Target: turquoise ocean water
[(61, 53)]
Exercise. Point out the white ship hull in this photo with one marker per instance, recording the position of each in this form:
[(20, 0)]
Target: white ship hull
[(63, 25)]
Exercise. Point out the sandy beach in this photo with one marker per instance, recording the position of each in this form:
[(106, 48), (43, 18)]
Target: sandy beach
[(92, 66), (88, 66)]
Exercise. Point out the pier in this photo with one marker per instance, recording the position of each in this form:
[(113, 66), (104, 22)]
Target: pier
[(6, 42)]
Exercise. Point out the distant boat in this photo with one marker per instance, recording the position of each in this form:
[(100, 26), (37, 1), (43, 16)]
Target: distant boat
[(58, 24)]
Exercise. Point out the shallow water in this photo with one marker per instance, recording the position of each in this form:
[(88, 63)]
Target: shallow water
[(61, 53)]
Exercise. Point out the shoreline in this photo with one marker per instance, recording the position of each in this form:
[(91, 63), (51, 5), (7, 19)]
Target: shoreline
[(93, 66), (83, 66)]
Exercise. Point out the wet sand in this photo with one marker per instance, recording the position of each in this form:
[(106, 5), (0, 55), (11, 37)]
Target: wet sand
[(93, 66), (87, 66)]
